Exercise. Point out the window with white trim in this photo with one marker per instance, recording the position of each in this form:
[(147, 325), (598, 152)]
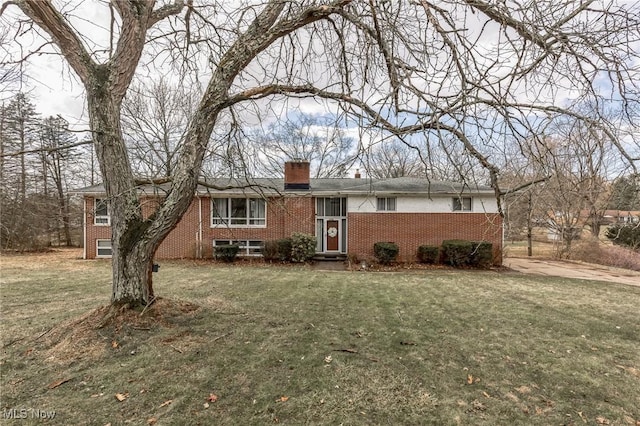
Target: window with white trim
[(386, 204), (247, 247), (462, 204), (238, 211), (103, 248), (101, 214)]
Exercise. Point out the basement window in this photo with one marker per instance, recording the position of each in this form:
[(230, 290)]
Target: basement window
[(103, 248), (247, 247)]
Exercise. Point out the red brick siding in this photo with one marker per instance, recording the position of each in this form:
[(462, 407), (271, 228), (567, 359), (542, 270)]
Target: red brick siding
[(284, 216), (93, 232), (410, 230), (181, 242)]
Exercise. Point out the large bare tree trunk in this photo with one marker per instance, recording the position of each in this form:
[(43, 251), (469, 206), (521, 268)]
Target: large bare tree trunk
[(132, 254)]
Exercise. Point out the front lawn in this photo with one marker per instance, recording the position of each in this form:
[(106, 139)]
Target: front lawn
[(292, 345)]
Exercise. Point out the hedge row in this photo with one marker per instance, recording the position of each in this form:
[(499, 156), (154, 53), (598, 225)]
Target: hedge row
[(457, 253)]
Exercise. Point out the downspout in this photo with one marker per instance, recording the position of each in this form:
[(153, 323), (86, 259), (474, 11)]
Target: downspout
[(199, 253), (84, 228), (503, 239)]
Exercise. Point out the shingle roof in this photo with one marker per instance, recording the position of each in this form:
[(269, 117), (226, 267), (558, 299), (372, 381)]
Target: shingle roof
[(346, 186)]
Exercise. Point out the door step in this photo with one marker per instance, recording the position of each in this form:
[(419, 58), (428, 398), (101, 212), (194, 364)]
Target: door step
[(330, 257)]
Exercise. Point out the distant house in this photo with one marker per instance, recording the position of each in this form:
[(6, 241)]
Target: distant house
[(346, 215), (580, 220), (621, 216)]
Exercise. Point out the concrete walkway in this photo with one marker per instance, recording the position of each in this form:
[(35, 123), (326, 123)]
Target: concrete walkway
[(580, 270)]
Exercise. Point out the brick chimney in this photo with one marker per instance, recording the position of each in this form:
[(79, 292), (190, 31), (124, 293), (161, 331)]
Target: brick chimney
[(357, 175), (296, 175)]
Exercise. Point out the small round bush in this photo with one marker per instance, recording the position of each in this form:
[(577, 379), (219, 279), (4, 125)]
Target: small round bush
[(386, 253), (428, 254), (303, 247), (457, 252), (482, 254)]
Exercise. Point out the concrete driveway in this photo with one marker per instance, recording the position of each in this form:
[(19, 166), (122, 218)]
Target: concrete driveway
[(579, 270)]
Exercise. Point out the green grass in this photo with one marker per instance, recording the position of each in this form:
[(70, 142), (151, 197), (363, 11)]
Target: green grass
[(428, 347)]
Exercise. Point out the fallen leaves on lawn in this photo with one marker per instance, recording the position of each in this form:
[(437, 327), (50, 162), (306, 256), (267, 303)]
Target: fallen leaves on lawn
[(167, 402), (282, 399), (152, 421), (328, 359), (631, 421), (58, 383), (114, 344), (212, 397), (631, 370), (602, 421), (122, 396), (477, 405), (471, 380)]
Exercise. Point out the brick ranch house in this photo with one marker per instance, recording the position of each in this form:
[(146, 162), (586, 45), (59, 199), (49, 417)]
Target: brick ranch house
[(346, 215)]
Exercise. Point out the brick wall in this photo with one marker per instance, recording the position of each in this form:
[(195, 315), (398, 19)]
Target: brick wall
[(410, 230), (94, 232), (284, 216)]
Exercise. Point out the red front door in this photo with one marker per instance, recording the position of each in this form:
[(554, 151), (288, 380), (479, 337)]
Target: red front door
[(333, 235)]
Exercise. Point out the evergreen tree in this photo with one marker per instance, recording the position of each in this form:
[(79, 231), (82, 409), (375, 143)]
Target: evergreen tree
[(626, 193)]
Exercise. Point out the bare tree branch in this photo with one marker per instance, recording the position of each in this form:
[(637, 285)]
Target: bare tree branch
[(46, 149), (52, 21)]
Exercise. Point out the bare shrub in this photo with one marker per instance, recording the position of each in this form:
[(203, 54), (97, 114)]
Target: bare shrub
[(594, 251)]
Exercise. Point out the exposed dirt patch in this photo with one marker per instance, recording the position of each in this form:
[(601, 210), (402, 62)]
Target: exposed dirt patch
[(88, 337)]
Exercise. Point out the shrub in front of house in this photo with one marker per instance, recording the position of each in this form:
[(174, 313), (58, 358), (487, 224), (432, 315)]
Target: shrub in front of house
[(270, 251), (284, 249), (278, 250), (303, 247), (428, 254), (482, 254), (386, 253), (457, 252), (227, 252)]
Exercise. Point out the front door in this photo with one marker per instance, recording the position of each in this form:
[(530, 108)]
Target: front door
[(333, 235), (331, 225)]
